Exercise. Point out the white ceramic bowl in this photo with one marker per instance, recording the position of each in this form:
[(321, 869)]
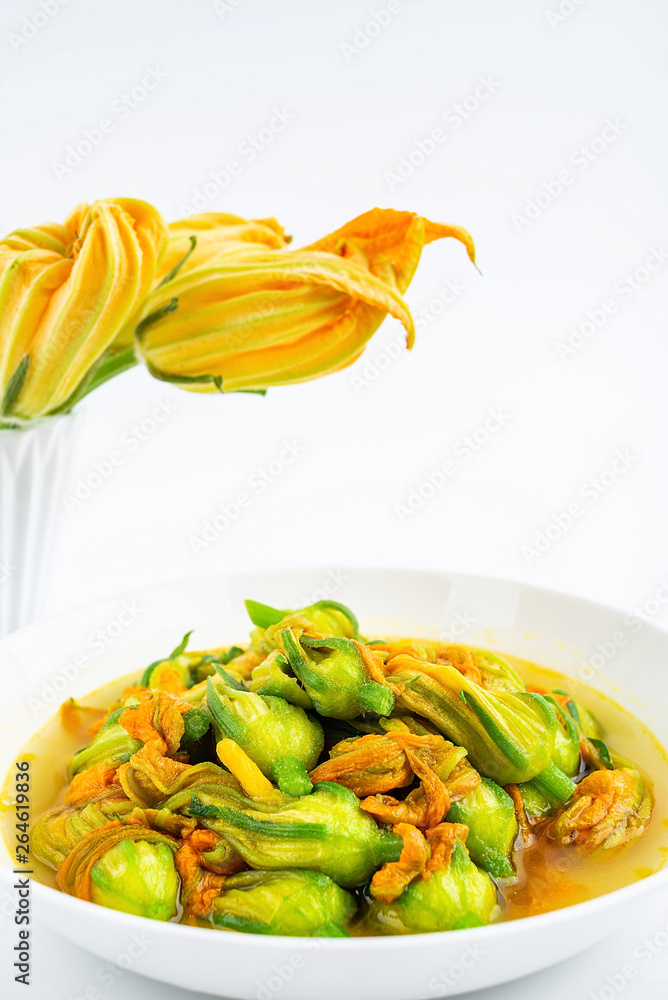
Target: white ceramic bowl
[(79, 652)]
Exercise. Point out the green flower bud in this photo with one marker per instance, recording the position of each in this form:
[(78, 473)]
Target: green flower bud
[(328, 617), (112, 743), (325, 831), (138, 877), (509, 735), (274, 676), (335, 677), (455, 897), (294, 903), (124, 867), (489, 813), (280, 738)]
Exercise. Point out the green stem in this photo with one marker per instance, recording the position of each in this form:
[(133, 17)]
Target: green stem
[(291, 776), (555, 784)]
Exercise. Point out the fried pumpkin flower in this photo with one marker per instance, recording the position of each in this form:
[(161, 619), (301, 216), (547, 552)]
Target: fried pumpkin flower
[(69, 294), (275, 317)]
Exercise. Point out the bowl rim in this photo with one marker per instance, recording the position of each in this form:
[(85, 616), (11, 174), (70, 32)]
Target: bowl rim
[(586, 909), (391, 568), (553, 918)]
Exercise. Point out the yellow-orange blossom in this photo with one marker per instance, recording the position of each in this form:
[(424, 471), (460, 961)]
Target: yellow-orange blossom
[(211, 302)]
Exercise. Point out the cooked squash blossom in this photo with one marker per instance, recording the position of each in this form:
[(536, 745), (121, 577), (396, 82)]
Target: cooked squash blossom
[(124, 867), (292, 902), (274, 317), (58, 831), (325, 831), (111, 745), (489, 814), (337, 675), (609, 808), (327, 618), (280, 738), (314, 783), (455, 896), (509, 735), (70, 297)]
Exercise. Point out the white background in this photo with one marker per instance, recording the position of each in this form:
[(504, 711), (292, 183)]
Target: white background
[(371, 434)]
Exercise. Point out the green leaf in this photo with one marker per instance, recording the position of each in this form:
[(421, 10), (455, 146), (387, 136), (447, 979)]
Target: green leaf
[(262, 615), (181, 648), (228, 678)]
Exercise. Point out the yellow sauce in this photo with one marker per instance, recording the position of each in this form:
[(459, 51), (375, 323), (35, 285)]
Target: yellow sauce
[(549, 877)]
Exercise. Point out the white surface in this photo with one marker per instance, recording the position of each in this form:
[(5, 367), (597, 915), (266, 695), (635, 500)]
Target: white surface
[(542, 626), (494, 346)]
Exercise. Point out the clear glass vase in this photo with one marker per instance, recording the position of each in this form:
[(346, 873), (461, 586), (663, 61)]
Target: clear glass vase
[(33, 466)]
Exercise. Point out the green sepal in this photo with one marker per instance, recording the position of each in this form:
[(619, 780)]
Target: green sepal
[(226, 721), (14, 386), (177, 267)]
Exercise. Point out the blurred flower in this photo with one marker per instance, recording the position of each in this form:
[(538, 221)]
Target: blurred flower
[(250, 317), (67, 292)]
